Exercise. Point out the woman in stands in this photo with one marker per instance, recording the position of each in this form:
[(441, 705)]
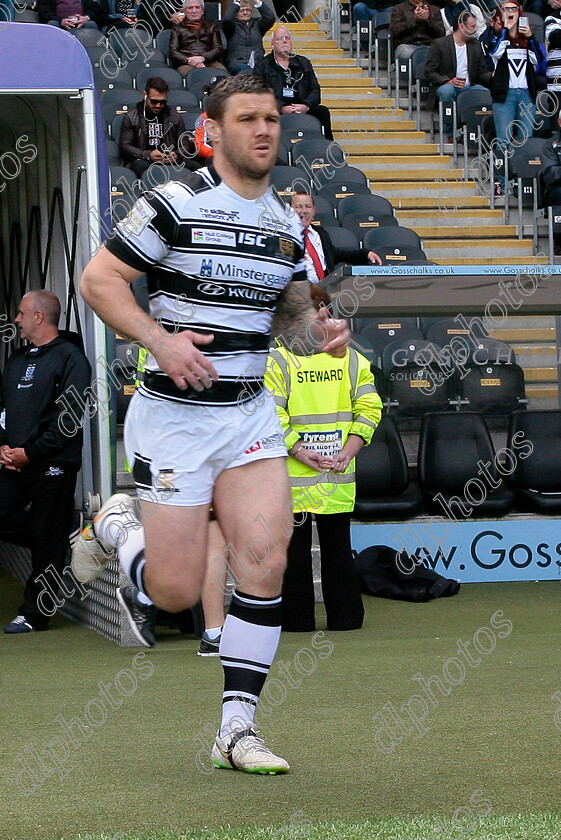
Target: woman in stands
[(244, 33), (195, 41), (329, 409), (513, 84)]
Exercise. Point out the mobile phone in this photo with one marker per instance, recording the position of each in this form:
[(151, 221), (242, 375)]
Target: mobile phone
[(523, 22)]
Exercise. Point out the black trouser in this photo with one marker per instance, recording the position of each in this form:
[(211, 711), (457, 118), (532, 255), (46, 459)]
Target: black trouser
[(339, 582), (44, 528), (323, 114)]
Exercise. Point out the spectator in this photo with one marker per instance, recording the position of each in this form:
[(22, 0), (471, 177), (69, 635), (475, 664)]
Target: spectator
[(457, 62), (122, 14), (244, 34), (39, 452), (73, 14), (325, 424), (293, 80), (157, 15), (321, 256), (491, 35), (453, 8), (551, 168), (195, 42), (369, 9), (153, 133), (513, 85), (414, 24), (553, 72)]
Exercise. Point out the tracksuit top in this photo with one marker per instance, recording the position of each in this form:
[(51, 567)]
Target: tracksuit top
[(43, 399), (321, 400)]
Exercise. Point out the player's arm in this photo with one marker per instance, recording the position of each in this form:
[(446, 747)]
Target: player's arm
[(301, 329), (105, 286)]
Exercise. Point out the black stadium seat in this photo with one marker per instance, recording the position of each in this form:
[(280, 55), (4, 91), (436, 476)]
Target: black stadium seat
[(300, 122), (172, 77), (451, 449), (121, 80), (491, 380), (342, 238), (115, 102), (534, 447), (417, 382), (360, 223), (382, 477), (289, 179), (364, 204), (391, 255), (336, 192), (383, 331), (392, 237)]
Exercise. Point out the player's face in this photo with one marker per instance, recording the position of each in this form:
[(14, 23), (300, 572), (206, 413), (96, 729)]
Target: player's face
[(248, 137), (304, 206)]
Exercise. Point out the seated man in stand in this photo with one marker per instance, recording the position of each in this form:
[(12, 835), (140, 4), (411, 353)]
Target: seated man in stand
[(153, 133), (457, 62), (293, 80), (414, 24), (321, 255)]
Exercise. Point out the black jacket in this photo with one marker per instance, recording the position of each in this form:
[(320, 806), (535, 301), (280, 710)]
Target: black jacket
[(133, 140), (304, 81), (441, 63), (186, 42), (333, 255), (406, 30), (551, 165), (98, 12), (34, 379), (245, 38)]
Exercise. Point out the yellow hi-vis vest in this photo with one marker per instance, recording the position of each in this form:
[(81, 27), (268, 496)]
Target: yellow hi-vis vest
[(321, 400)]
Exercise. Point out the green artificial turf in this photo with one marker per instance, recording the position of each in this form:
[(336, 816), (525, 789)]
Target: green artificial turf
[(495, 732)]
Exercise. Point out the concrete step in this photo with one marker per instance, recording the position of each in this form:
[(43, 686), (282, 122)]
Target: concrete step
[(377, 138), (526, 334), (417, 190), (486, 260), (506, 247), (359, 100), (419, 171), (365, 146), (541, 374), (327, 83), (433, 202), (542, 393), (536, 355), (435, 218), (461, 232)]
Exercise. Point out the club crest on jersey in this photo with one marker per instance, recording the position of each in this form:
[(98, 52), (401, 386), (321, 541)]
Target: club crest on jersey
[(287, 247), (206, 268)]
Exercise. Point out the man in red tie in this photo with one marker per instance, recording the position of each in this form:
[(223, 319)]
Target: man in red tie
[(321, 255)]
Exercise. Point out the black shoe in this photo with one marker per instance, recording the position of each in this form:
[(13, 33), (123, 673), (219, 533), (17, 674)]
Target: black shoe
[(19, 625), (141, 616), (209, 647)]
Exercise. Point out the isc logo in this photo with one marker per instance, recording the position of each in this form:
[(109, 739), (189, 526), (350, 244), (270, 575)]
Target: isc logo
[(251, 239)]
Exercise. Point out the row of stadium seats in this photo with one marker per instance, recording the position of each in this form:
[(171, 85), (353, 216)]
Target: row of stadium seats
[(416, 376), (451, 484)]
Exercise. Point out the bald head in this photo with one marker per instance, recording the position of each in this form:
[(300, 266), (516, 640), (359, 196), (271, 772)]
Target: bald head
[(47, 303), (282, 41)]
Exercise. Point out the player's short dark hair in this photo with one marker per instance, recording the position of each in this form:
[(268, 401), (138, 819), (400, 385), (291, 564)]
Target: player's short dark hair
[(216, 103), (156, 83)]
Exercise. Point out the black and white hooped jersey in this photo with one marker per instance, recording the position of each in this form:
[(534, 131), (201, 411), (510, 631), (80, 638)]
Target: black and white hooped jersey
[(216, 263)]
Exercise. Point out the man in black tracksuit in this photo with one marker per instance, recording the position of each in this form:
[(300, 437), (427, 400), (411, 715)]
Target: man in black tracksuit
[(39, 458)]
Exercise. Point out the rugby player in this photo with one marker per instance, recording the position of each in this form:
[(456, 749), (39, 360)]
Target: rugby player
[(225, 266)]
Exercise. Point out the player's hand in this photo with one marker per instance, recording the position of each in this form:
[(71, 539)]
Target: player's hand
[(184, 363), (374, 258), (4, 457), (338, 335)]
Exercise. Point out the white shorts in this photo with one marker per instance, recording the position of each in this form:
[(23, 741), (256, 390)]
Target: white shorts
[(178, 451)]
